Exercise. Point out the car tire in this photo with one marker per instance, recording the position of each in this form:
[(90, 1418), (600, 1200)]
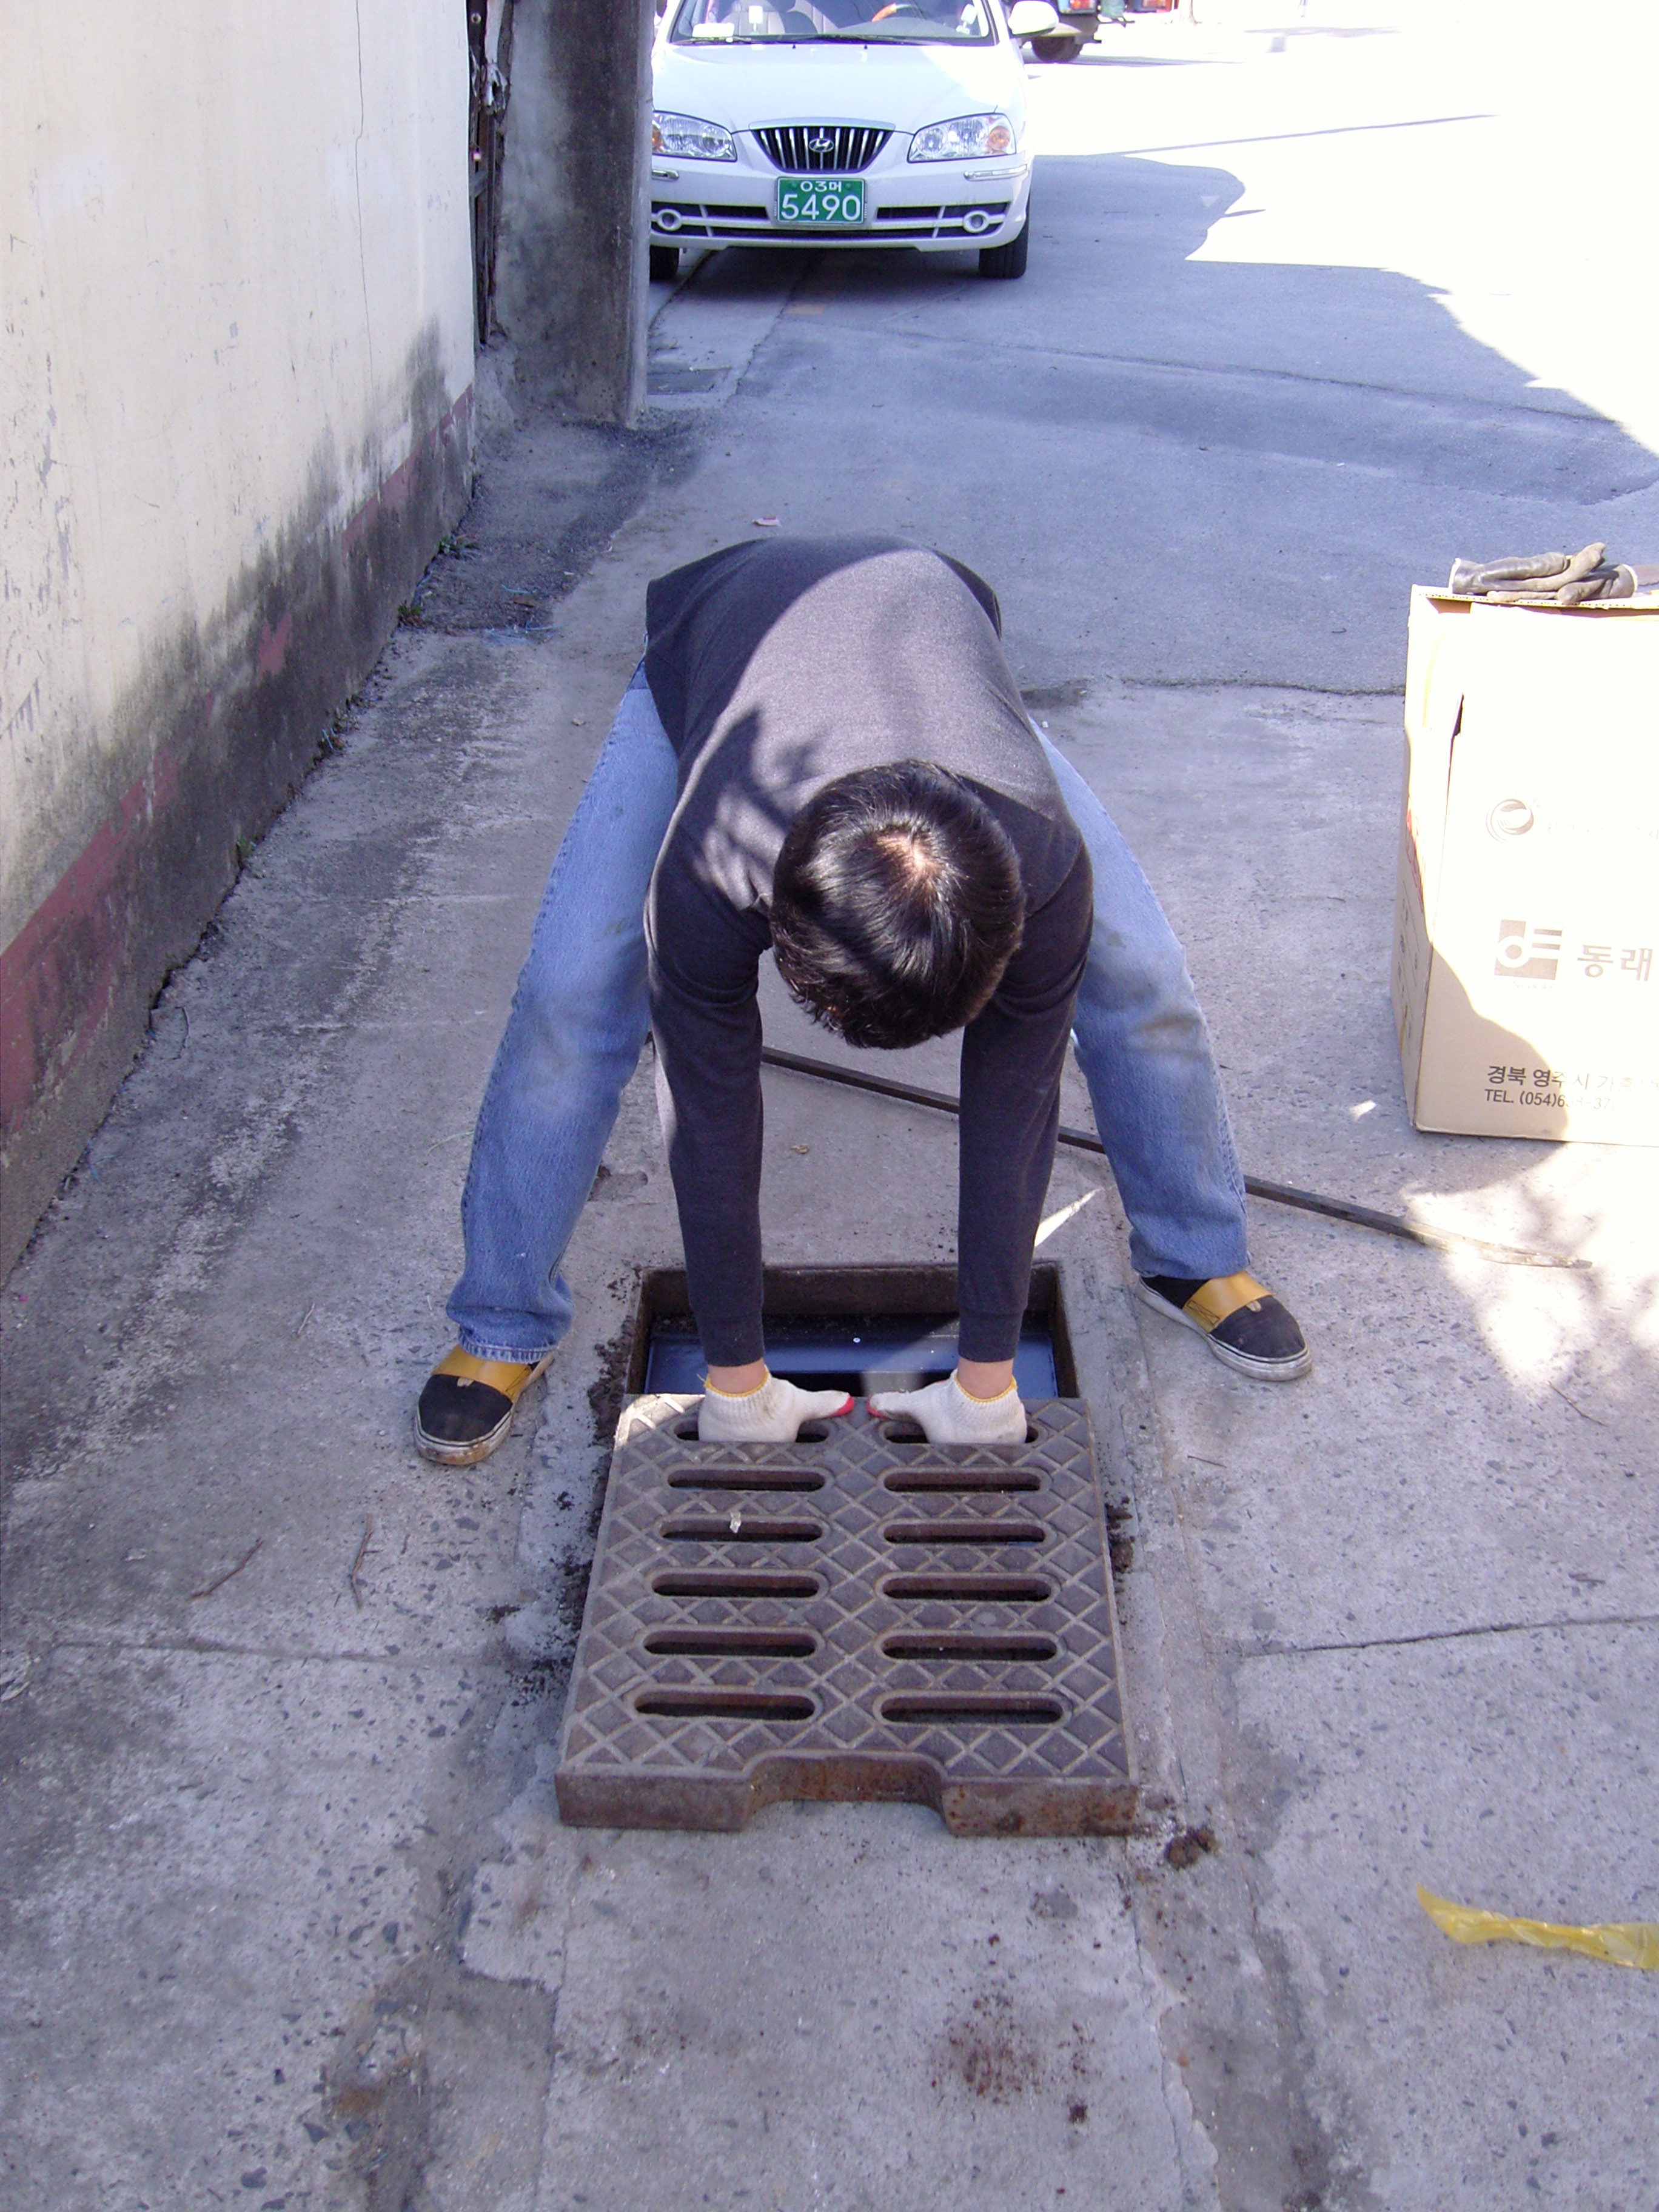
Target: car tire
[(1007, 260), (664, 263), (1060, 47)]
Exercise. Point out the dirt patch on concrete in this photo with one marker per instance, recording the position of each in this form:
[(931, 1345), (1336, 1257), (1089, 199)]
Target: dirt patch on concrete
[(1046, 698), (608, 1389), (1189, 1845), (1121, 1537), (991, 2052)]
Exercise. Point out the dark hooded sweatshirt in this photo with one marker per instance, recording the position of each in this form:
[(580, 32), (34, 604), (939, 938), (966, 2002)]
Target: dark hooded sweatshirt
[(776, 667)]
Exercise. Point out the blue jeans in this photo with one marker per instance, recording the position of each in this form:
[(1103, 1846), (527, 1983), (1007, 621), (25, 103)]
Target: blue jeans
[(581, 1012)]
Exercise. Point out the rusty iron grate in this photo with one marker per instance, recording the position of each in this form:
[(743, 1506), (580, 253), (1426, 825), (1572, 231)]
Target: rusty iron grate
[(859, 1615)]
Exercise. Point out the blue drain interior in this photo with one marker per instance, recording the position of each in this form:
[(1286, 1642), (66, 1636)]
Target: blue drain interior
[(859, 1353)]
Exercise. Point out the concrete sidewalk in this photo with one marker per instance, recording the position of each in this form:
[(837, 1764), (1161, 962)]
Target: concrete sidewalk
[(290, 1918)]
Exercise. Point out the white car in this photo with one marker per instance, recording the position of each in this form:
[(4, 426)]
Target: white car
[(844, 123)]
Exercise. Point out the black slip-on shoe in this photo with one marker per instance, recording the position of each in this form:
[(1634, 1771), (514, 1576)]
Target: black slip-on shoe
[(466, 1409), (1240, 1319)]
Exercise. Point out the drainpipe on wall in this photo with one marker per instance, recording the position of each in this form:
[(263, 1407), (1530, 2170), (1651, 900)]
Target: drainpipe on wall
[(490, 45)]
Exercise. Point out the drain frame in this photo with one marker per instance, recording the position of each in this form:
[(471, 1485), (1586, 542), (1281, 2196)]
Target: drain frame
[(845, 1293), (1001, 1706)]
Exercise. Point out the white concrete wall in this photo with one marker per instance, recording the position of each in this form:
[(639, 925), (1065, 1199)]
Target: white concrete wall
[(232, 232), (238, 355)]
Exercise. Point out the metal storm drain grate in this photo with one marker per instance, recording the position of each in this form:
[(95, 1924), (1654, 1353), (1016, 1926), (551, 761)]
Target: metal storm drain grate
[(859, 1615)]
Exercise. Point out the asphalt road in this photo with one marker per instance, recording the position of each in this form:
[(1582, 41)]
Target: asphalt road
[(1244, 397), (1313, 306)]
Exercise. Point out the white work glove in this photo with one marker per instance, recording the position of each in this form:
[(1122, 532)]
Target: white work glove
[(947, 1415), (771, 1415), (1554, 579)]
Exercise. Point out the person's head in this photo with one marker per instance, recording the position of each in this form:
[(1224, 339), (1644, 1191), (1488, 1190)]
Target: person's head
[(896, 903)]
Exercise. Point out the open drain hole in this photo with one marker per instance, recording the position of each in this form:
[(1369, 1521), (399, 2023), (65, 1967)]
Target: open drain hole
[(962, 1479), (736, 1584), (964, 1532), (910, 1433), (976, 1589), (857, 1329), (746, 1478), (724, 1706), (812, 1432), (733, 1643), (946, 1646), (975, 1708), (746, 1532)]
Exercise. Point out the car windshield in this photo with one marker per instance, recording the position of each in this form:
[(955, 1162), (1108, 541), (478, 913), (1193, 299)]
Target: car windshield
[(809, 22)]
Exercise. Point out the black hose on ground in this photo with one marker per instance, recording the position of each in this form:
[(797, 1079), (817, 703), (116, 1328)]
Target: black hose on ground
[(1280, 1194)]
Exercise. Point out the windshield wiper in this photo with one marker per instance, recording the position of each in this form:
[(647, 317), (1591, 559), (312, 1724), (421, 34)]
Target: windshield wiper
[(860, 35), (935, 34)]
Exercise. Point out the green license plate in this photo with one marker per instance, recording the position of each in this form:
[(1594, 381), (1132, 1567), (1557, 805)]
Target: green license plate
[(821, 203)]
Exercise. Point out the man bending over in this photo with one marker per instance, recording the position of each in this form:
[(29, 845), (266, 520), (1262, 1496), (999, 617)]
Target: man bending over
[(823, 753)]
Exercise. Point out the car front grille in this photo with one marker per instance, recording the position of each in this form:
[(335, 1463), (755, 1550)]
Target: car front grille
[(823, 149)]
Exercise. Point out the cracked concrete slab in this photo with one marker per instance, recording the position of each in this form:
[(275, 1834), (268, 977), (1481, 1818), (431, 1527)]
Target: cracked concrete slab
[(1516, 2077), (719, 313), (761, 2023)]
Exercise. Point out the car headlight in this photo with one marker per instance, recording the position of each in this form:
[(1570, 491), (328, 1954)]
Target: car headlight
[(964, 138), (692, 140)]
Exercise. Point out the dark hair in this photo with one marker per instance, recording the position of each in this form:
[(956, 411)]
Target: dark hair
[(896, 903)]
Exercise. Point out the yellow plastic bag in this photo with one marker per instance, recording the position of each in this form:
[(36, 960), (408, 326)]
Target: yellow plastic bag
[(1630, 1943)]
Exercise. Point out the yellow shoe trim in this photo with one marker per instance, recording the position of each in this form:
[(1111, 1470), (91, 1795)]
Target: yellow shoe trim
[(1211, 1303), (507, 1376)]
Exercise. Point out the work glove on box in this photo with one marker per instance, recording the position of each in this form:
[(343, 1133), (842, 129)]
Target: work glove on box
[(1549, 580)]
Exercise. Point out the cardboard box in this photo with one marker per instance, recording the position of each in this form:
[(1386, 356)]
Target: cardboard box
[(1526, 971)]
